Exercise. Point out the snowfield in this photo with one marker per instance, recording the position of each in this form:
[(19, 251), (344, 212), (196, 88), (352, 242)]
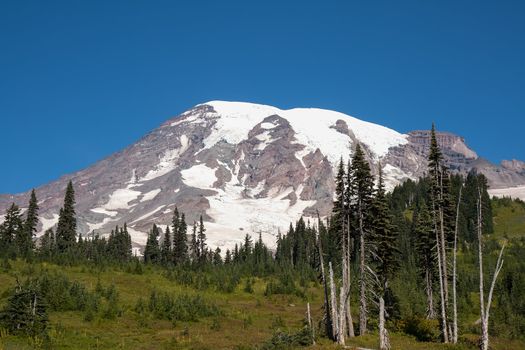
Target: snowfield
[(314, 128), (513, 192)]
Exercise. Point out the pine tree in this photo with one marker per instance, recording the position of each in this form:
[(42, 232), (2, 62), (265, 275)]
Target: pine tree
[(425, 241), (440, 204), (67, 223), (217, 259), (362, 188), (11, 228), (25, 312), (201, 241), (165, 250), (25, 241), (180, 245), (385, 236), (228, 257), (152, 250), (194, 244)]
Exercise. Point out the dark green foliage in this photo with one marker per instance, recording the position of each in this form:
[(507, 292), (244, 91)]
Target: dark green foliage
[(284, 285), (152, 250), (201, 242), (282, 340), (165, 248), (118, 244), (180, 238), (25, 312), (66, 232), (423, 329), (384, 235), (181, 307), (11, 228), (24, 239)]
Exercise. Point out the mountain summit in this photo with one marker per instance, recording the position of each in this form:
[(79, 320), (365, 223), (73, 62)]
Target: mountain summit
[(247, 168)]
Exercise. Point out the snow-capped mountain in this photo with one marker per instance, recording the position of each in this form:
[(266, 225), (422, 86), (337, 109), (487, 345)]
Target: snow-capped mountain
[(247, 168)]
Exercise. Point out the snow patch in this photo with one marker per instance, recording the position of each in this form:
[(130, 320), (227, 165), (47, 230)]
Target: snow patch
[(150, 195), (199, 176), (513, 192), (48, 223), (120, 199), (147, 215), (137, 237), (265, 139), (267, 125), (104, 211), (393, 176)]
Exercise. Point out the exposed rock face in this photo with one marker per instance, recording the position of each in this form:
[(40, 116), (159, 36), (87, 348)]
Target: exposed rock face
[(246, 168)]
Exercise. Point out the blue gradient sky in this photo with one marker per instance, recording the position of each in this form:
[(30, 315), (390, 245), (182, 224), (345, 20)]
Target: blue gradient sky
[(80, 80)]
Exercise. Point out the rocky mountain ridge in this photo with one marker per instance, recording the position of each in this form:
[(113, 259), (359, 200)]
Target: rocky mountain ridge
[(246, 168)]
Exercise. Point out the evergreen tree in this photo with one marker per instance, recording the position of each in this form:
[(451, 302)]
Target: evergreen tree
[(25, 312), (338, 216), (66, 232), (10, 229), (217, 259), (425, 241), (25, 240), (385, 234), (201, 241), (362, 188), (152, 250), (180, 245), (228, 257), (194, 244), (165, 250)]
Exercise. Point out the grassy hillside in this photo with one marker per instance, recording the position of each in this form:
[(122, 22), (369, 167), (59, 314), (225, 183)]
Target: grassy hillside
[(509, 218), (244, 317)]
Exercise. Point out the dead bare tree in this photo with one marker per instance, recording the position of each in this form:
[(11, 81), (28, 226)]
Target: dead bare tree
[(454, 273), (485, 309)]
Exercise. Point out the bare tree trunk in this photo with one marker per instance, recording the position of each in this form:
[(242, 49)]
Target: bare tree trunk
[(363, 311), (349, 320), (429, 289), (439, 243), (384, 340), (333, 304), (325, 283), (443, 257), (310, 323), (485, 310), (454, 274), (484, 331)]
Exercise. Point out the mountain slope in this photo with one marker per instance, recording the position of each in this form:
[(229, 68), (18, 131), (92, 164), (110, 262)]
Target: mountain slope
[(246, 168)]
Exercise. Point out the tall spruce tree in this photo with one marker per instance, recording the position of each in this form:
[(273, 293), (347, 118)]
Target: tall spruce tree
[(25, 242), (385, 236), (152, 250), (201, 241), (180, 244), (425, 242), (66, 232), (362, 189), (194, 244), (440, 203), (165, 249), (11, 228)]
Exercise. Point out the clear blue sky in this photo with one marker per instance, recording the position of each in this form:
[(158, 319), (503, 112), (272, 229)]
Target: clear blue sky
[(80, 80)]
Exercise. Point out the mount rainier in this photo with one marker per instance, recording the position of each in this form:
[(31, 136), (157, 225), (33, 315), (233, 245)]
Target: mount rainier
[(247, 168)]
